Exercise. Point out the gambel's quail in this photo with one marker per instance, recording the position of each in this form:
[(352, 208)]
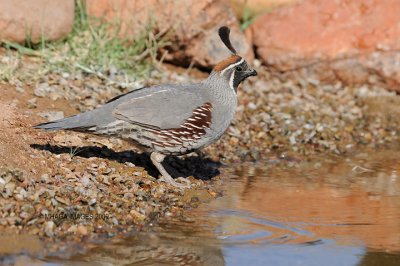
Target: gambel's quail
[(169, 119)]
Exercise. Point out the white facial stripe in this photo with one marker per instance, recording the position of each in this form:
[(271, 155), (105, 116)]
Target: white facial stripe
[(232, 66), (231, 81)]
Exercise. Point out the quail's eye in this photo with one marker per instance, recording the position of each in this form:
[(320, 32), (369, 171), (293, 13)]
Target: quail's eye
[(239, 68)]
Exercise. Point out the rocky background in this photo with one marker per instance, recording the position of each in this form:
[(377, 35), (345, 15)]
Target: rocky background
[(328, 82), (354, 42)]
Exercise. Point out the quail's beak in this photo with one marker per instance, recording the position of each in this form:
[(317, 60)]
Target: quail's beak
[(251, 72)]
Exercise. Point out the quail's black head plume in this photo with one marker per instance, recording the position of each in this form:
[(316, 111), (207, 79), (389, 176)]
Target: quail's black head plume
[(224, 35), (169, 119)]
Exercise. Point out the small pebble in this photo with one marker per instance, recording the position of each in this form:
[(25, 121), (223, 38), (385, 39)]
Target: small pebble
[(49, 228), (44, 178), (32, 103), (82, 230)]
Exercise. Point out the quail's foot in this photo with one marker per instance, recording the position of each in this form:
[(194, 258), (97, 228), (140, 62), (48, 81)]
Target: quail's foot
[(157, 159), (171, 181), (184, 180)]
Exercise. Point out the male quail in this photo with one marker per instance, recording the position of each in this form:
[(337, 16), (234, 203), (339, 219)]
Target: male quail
[(169, 119)]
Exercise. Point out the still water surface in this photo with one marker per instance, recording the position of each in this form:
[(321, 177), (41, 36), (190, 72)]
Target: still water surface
[(321, 211)]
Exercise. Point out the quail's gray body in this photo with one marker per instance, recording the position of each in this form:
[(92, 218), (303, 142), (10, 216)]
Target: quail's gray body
[(168, 119)]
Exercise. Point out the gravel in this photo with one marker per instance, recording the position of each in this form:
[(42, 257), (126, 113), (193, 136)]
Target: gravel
[(76, 201), (52, 115)]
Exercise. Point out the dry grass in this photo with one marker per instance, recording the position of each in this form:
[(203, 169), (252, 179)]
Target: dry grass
[(91, 47)]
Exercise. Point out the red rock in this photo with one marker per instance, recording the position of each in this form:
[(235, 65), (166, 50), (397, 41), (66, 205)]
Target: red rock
[(192, 26), (352, 41), (256, 7), (48, 19)]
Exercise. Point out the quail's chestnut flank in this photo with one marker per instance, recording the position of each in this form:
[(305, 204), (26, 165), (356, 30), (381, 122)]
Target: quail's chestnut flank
[(169, 119)]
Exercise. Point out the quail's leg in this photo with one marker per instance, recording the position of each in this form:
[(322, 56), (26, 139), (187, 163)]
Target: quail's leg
[(157, 159)]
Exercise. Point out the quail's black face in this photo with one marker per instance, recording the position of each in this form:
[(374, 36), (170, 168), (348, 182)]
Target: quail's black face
[(242, 72)]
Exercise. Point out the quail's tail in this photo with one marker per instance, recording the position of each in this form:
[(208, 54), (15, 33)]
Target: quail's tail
[(80, 122), (84, 122)]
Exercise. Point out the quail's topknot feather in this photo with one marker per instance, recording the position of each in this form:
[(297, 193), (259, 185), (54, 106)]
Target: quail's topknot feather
[(224, 35)]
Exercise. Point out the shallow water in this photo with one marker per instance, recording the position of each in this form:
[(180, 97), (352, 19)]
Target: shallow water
[(323, 211)]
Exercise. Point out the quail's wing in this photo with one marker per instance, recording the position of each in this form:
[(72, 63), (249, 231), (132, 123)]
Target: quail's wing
[(164, 107)]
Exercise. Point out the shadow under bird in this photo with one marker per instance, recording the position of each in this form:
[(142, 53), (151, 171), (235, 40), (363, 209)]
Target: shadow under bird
[(169, 119)]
